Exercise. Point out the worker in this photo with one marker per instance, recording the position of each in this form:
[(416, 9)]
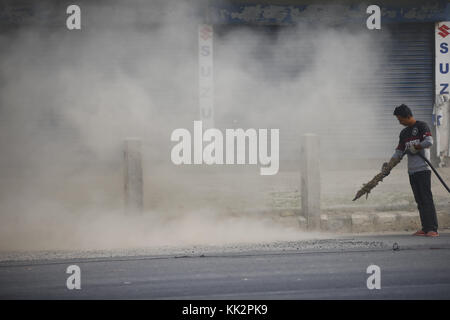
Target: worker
[(415, 138)]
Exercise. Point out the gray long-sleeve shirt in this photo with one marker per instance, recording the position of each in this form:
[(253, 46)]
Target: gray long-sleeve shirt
[(419, 133)]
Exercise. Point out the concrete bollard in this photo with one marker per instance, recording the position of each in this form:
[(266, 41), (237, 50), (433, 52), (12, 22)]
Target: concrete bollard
[(310, 180), (133, 176)]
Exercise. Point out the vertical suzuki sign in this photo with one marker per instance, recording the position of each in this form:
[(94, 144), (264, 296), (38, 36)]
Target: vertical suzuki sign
[(206, 80), (442, 86), (442, 36)]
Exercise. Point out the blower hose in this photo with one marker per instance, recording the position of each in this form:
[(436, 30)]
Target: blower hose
[(434, 170)]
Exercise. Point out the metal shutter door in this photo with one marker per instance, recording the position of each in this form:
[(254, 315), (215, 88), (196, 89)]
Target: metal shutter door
[(407, 77)]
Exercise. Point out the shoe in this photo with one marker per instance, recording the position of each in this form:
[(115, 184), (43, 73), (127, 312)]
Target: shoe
[(432, 234), (419, 233)]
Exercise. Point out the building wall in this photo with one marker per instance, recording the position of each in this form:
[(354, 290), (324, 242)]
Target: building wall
[(291, 12)]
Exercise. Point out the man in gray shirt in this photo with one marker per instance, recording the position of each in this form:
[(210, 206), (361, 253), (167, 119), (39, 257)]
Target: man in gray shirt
[(415, 138)]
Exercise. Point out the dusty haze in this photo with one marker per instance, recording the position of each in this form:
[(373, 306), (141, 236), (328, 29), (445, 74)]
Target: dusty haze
[(69, 98)]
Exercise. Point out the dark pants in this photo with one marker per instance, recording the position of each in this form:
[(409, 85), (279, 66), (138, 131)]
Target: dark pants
[(421, 187)]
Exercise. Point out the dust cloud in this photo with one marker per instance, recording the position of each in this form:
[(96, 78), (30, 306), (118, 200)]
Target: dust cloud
[(68, 99)]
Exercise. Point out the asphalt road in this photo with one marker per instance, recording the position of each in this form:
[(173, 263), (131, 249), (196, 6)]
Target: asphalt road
[(326, 269)]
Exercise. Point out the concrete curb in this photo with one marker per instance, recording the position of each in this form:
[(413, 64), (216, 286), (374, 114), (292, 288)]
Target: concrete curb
[(376, 222), (359, 222)]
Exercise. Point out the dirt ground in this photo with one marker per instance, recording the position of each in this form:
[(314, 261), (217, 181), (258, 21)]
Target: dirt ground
[(183, 206)]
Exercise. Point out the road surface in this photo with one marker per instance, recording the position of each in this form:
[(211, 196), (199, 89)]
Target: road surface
[(410, 268)]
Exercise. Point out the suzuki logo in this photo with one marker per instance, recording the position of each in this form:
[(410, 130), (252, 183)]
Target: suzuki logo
[(444, 31), (205, 32)]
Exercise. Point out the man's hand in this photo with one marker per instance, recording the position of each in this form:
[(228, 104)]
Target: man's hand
[(385, 169), (413, 149)]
